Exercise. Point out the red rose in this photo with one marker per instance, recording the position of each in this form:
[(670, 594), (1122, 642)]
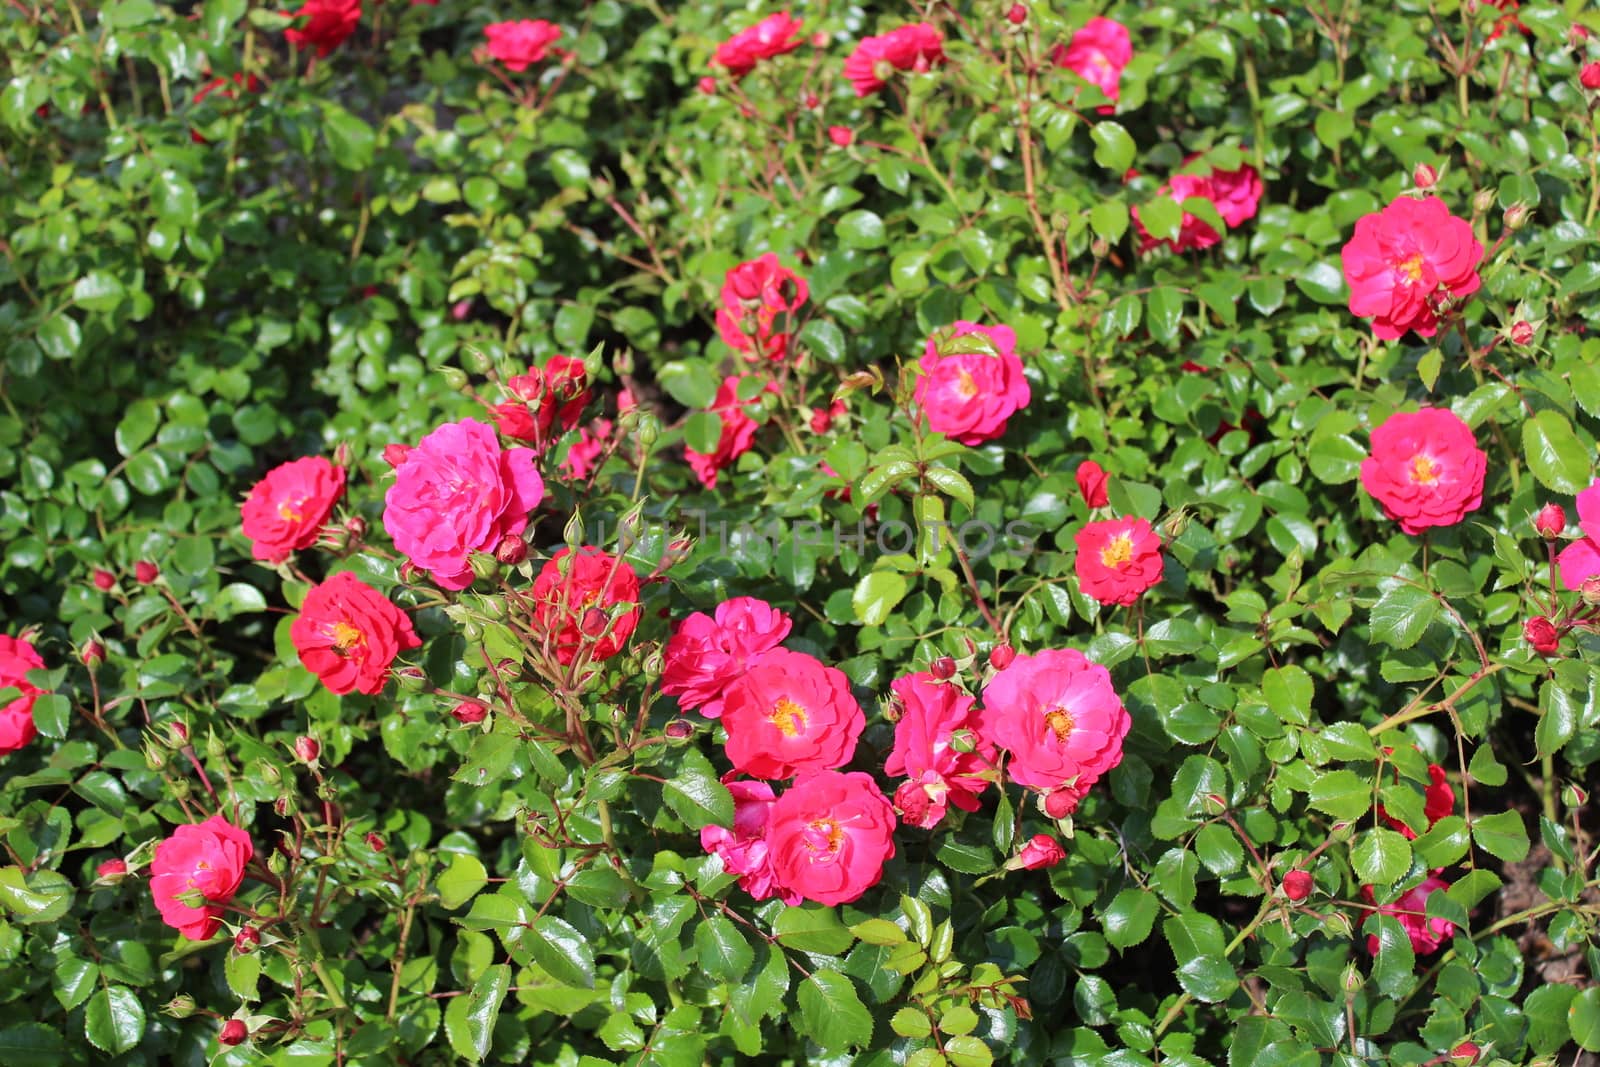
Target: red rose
[(1236, 194), (1551, 521), (328, 23), (968, 390), (1092, 480), (1118, 559), (348, 634), (1297, 885), (918, 46), (111, 870), (1409, 262), (841, 136), (1542, 635), (754, 295), (233, 1032), (737, 435), (522, 43), (145, 572), (1041, 850), (931, 714), (1059, 717), (569, 587), (1521, 332), (584, 454), (286, 510), (104, 580), (1580, 560), (789, 714), (829, 836), (17, 658), (705, 654), (1425, 470), (1438, 800), (1411, 910), (774, 35), (1589, 76), (544, 398), (1098, 53), (743, 850), (195, 872)]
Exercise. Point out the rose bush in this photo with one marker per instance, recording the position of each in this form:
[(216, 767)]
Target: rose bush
[(705, 534)]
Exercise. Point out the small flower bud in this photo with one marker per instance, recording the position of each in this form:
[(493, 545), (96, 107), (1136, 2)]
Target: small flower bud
[(1002, 655), (679, 729), (1017, 15), (469, 712), (1521, 332), (912, 802), (1353, 980), (964, 741), (648, 430), (307, 749), (376, 842), (410, 678), (155, 757), (1542, 635), (455, 378), (811, 101), (341, 454), (395, 454), (595, 622), (247, 940), (1482, 201), (104, 580), (484, 565), (1297, 885), (1551, 521), (180, 1007), (942, 668), (1590, 590), (111, 870), (1059, 803), (1589, 76), (283, 806), (146, 572), (708, 85), (179, 734), (1517, 216), (216, 748), (268, 772), (92, 654), (819, 39), (277, 863), (356, 527), (1574, 795), (1337, 924), (233, 1033), (1424, 176), (1040, 851), (892, 709), (461, 309), (842, 136), (1464, 1053), (511, 550)]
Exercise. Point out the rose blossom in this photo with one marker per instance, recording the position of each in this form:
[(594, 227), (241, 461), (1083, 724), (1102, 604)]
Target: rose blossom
[(743, 850), (1407, 262), (754, 294), (348, 634), (1411, 911), (1438, 800), (574, 595), (17, 658), (968, 390), (841, 136), (774, 35), (286, 510), (1097, 54), (787, 714), (1542, 635), (1425, 470), (555, 394), (737, 435), (195, 872), (706, 653), (1118, 559), (829, 836), (522, 43), (456, 493), (1580, 560), (918, 46), (1041, 850), (1236, 194), (328, 23), (1059, 717), (1092, 480), (583, 455), (931, 713)]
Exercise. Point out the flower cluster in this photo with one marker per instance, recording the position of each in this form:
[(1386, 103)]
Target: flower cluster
[(543, 399), (918, 47)]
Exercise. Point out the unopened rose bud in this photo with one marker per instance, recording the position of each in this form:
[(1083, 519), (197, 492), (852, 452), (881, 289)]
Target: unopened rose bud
[(679, 729), (461, 309), (648, 430), (1576, 35), (341, 454), (395, 454), (1590, 590), (233, 1033), (1517, 216), (1589, 76), (283, 806), (469, 712), (1353, 980), (1099, 248), (410, 678), (1002, 655), (1040, 851), (595, 622), (912, 802), (376, 842), (179, 734), (155, 757), (1574, 795), (892, 709), (277, 863), (1059, 803), (268, 772), (811, 101), (1551, 521), (356, 527), (1424, 176), (145, 572), (484, 565), (942, 668), (93, 654), (216, 748), (111, 870), (842, 136), (819, 39), (1297, 885), (1521, 332), (180, 1007), (247, 940), (1542, 635), (1337, 924), (1017, 15), (104, 580), (1465, 1053), (1483, 201), (963, 741), (708, 85), (307, 749), (511, 550)]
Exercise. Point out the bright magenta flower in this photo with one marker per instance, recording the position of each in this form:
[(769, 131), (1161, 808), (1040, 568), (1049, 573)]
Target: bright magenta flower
[(328, 23), (1118, 559), (937, 773), (521, 44), (706, 654), (968, 390), (830, 835), (1408, 263), (195, 872), (918, 46), (1425, 470), (790, 714), (774, 35), (17, 658), (348, 634), (1411, 910), (287, 509), (743, 850), (1580, 560), (1098, 53)]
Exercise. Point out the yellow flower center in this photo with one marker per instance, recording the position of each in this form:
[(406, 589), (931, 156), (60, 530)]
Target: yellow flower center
[(1060, 723), (289, 510), (966, 388), (1118, 551), (345, 636), (790, 718), (1412, 268), (1423, 470), (824, 835)]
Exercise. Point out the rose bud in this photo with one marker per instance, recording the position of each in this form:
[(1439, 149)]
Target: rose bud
[(942, 668), (1590, 76), (1060, 803), (146, 572), (678, 729), (811, 101), (1297, 885), (93, 654), (708, 85), (395, 454), (1521, 332), (1576, 35), (376, 842), (306, 749), (111, 870), (180, 1007), (1574, 795), (1541, 633), (1517, 216), (1017, 15), (1482, 201), (1041, 851), (843, 136), (1001, 657), (1590, 590), (819, 39), (104, 580), (1551, 520), (356, 527), (1466, 1052), (469, 712), (1092, 479), (595, 622), (912, 802), (180, 734), (410, 678), (247, 940), (233, 1032), (1424, 176), (511, 550)]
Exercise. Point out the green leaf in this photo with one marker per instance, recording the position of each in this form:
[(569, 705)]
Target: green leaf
[(350, 140), (826, 341), (243, 971), (1161, 217), (1380, 856), (697, 798), (1558, 718), (1503, 835), (879, 932), (1402, 614), (561, 950), (1109, 220), (1130, 917), (812, 928), (724, 952), (73, 980), (1288, 691), (37, 1045), (99, 290), (951, 483), (911, 1022), (861, 229), (1209, 978), (831, 1014), (1323, 282), (967, 1051), (876, 595), (1166, 312), (1554, 454), (1113, 148), (469, 1020), (52, 714), (113, 1020), (460, 881), (59, 336), (41, 896), (126, 13), (1583, 1017), (1546, 1011), (1342, 794)]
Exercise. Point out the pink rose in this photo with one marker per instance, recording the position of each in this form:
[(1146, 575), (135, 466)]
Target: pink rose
[(918, 46), (17, 658), (774, 35), (522, 43), (968, 390), (583, 455), (1425, 470), (789, 714), (1438, 800), (1041, 850), (1411, 910), (706, 654), (931, 713), (1098, 53), (1580, 560), (286, 510), (1059, 717), (1117, 559), (829, 836), (743, 850), (737, 435), (456, 493), (841, 136), (1236, 194), (195, 872), (1408, 263), (754, 295), (328, 23)]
